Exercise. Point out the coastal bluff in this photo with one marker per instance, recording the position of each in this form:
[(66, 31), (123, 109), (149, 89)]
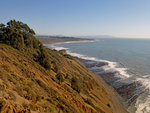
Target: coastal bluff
[(35, 79)]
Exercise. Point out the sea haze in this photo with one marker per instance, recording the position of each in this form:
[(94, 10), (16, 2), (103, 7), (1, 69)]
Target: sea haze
[(130, 57)]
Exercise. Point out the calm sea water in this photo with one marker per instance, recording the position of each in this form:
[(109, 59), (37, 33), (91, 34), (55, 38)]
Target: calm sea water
[(130, 56)]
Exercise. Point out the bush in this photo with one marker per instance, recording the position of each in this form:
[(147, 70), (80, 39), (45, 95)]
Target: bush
[(43, 58), (50, 109), (68, 56), (60, 77), (75, 84), (88, 101), (56, 69), (50, 91)]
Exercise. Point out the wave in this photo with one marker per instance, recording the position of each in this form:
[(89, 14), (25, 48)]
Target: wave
[(82, 41), (58, 48), (111, 67), (69, 42), (142, 103)]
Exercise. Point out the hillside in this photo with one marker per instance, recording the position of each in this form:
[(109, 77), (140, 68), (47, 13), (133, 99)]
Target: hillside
[(34, 79)]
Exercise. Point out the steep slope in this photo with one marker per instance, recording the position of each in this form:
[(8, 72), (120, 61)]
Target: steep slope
[(26, 84), (39, 80)]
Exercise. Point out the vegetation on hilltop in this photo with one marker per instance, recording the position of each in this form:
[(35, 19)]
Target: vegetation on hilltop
[(21, 37)]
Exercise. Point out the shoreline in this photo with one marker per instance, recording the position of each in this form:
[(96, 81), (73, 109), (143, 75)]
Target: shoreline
[(100, 77), (115, 97), (125, 92), (58, 40)]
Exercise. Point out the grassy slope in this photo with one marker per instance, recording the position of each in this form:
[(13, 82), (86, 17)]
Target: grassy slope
[(27, 86)]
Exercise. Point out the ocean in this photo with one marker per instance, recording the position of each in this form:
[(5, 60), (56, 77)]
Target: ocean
[(130, 58)]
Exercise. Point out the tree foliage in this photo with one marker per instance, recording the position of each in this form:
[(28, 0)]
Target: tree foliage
[(21, 36), (17, 34)]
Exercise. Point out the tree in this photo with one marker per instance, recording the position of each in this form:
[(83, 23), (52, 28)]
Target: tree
[(21, 36)]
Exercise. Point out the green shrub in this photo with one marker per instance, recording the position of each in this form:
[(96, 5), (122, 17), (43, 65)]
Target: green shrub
[(75, 84), (43, 58), (50, 91), (68, 56), (50, 109), (60, 77), (88, 101), (56, 69)]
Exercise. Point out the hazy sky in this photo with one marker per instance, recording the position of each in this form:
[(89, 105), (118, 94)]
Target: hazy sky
[(122, 18)]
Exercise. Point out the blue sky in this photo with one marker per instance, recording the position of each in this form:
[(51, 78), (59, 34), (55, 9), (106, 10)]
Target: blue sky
[(121, 18)]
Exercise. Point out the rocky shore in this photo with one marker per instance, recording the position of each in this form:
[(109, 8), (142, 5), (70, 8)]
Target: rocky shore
[(127, 91)]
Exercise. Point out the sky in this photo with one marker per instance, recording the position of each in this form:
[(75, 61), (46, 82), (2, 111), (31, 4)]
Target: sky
[(120, 18)]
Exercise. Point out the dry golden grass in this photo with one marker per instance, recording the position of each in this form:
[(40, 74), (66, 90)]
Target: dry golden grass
[(26, 85)]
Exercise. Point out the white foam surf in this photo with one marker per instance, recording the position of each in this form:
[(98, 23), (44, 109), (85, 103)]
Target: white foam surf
[(58, 48), (142, 103), (111, 67), (82, 41)]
